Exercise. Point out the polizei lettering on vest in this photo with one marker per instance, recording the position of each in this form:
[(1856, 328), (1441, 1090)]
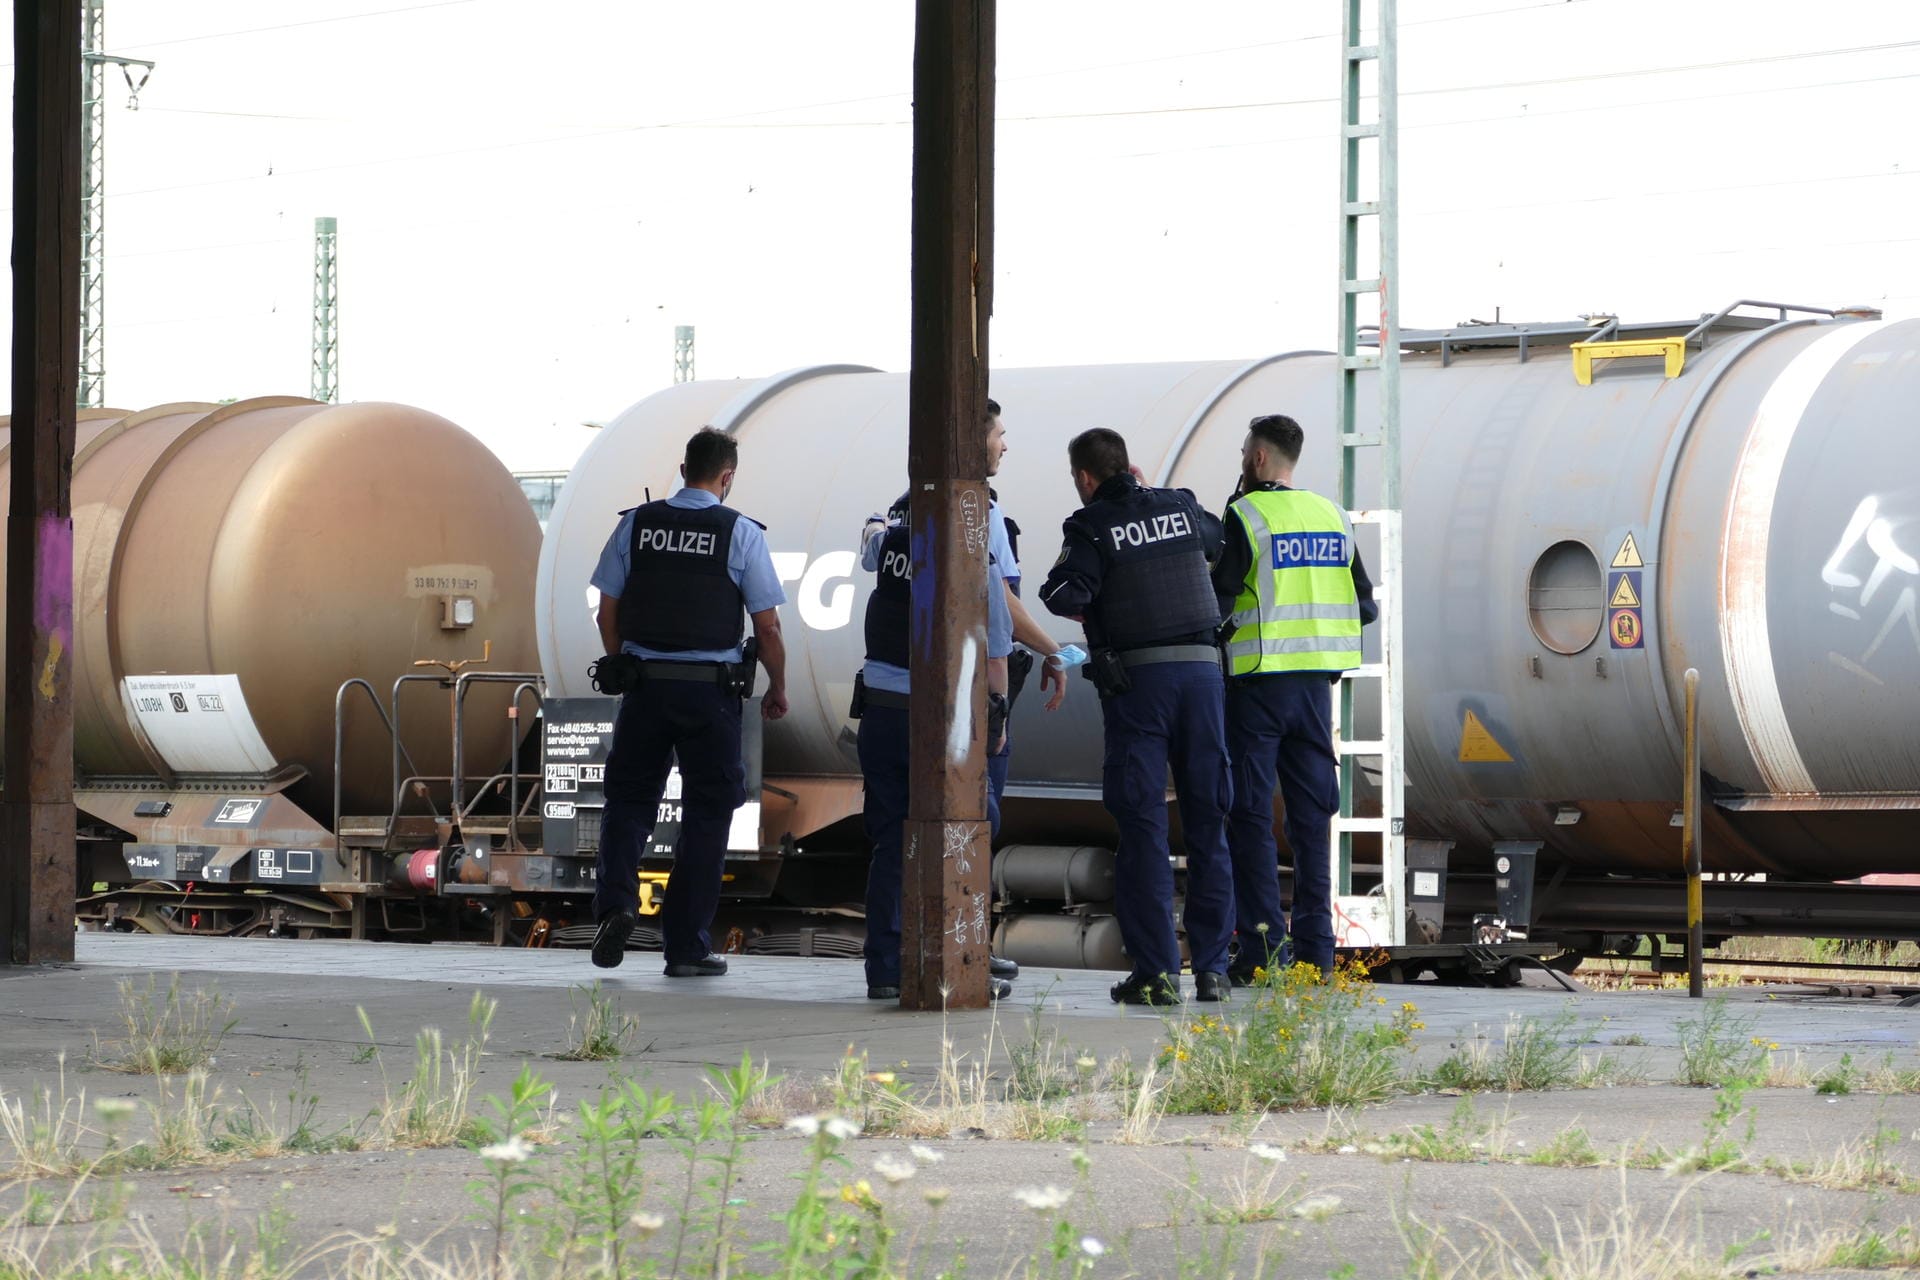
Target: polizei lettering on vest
[(1139, 533), (684, 541), (1310, 551), (897, 564)]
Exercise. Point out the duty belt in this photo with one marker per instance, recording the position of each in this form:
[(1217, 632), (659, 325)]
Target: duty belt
[(699, 672), (887, 698), (1156, 654)]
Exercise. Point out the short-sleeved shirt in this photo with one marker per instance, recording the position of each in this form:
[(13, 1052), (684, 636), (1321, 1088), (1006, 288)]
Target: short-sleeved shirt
[(749, 564), (884, 675), (1000, 544)]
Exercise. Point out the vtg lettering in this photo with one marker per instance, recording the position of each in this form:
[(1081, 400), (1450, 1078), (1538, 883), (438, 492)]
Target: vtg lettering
[(683, 541), (1140, 533)]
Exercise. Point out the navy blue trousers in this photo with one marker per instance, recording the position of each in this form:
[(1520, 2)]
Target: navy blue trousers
[(699, 724), (997, 787), (1279, 729), (883, 765), (1174, 714)]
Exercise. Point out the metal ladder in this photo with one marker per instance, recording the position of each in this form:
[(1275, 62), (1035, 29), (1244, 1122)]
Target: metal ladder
[(1379, 919)]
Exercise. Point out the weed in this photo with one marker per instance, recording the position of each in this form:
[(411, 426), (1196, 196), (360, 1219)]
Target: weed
[(44, 1138), (1717, 1047), (1463, 1139), (1529, 1056), (1608, 1070), (1632, 1039), (1569, 1149), (1293, 1041), (431, 1107), (1839, 1079), (169, 1033), (600, 1032)]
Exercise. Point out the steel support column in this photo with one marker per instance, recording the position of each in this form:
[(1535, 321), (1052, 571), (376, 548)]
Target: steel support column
[(945, 916), (37, 835)]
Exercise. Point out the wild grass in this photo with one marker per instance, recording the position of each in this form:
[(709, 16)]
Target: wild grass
[(432, 1107), (1718, 1047), (599, 1032), (1528, 1055), (168, 1032)]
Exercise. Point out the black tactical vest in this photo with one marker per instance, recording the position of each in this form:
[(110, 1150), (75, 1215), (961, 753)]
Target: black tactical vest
[(891, 604), (679, 595), (1155, 587)]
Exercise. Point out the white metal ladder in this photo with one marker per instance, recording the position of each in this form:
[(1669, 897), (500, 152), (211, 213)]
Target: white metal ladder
[(1378, 919)]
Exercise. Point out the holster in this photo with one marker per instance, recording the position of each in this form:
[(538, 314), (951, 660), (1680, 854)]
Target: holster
[(1108, 673), (739, 676), (1019, 667), (999, 707), (615, 674), (858, 708)]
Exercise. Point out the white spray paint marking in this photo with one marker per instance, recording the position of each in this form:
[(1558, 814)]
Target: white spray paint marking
[(1744, 639), (960, 738)]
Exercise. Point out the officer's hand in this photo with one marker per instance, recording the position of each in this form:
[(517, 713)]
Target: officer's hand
[(1053, 675), (1134, 471), (774, 704)]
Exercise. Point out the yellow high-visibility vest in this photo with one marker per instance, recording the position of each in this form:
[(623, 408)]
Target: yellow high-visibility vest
[(1298, 610)]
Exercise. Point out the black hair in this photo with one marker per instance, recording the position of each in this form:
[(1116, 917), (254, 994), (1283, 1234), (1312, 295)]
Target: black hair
[(709, 453), (1280, 431), (1101, 453), (993, 408)]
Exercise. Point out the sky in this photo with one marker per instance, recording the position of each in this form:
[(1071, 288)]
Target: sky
[(528, 205)]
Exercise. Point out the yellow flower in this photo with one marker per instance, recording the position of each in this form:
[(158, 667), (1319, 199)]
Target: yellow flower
[(1259, 973), (1179, 1055), (881, 1077)]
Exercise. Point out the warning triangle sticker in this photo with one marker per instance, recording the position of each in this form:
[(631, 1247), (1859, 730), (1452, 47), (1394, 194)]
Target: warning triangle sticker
[(1624, 596), (1478, 746), (1628, 556)]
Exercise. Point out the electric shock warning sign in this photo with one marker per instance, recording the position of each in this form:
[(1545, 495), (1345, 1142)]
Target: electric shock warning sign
[(1626, 597)]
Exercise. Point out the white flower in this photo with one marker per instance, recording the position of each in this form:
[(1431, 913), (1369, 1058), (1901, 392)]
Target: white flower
[(1086, 1062), (926, 1155), (1042, 1199), (1318, 1208), (113, 1108), (894, 1168), (1091, 1247), (512, 1151), (808, 1125), (841, 1128), (1263, 1151), (647, 1223), (937, 1196), (1347, 1150)]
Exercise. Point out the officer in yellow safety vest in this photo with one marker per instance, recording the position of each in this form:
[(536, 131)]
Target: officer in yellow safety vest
[(1295, 596)]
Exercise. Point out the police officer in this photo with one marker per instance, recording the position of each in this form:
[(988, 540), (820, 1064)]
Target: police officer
[(880, 705), (677, 580), (1004, 663), (1295, 595), (1133, 567)]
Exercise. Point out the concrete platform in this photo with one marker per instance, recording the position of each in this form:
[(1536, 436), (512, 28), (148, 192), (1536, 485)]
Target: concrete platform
[(1159, 1202)]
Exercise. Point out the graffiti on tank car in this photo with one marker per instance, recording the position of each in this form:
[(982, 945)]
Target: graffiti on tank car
[(1873, 578)]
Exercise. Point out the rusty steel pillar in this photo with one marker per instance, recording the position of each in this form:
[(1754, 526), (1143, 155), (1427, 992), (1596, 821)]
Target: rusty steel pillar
[(37, 838), (945, 909)]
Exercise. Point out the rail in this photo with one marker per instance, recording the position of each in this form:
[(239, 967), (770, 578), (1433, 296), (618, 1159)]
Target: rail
[(1700, 332), (524, 683), (340, 740)]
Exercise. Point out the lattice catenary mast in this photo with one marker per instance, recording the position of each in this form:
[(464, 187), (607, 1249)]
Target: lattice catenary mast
[(683, 353), (93, 151), (326, 311)]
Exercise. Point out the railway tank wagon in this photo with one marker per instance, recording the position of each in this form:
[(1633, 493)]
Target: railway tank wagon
[(1749, 507), (234, 566)]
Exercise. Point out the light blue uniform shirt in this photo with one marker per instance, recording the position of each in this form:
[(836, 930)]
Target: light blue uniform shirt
[(891, 679), (748, 563)]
